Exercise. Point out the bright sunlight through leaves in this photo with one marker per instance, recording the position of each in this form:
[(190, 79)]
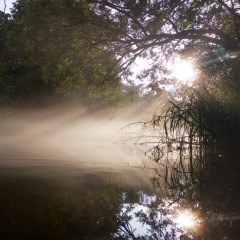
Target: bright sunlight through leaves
[(184, 72)]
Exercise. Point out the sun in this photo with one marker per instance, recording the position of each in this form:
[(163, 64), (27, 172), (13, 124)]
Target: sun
[(184, 72)]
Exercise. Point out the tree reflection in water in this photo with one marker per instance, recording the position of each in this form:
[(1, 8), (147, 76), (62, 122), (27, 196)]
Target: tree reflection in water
[(92, 217), (110, 215), (194, 197), (205, 179)]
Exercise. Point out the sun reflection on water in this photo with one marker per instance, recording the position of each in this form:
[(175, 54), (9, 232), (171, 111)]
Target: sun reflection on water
[(186, 219)]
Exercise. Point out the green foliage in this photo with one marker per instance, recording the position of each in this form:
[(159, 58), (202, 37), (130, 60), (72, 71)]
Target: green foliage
[(6, 76), (92, 44), (6, 85), (49, 38)]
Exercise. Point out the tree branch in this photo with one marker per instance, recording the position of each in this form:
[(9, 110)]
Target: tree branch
[(127, 15), (5, 6), (231, 10)]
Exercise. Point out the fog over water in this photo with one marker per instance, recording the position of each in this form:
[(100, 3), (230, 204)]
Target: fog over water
[(66, 139), (67, 151), (56, 161)]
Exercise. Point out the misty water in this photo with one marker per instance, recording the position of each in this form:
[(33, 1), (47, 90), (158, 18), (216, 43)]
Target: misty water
[(75, 173), (71, 154)]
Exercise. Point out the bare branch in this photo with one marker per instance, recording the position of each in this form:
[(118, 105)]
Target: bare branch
[(5, 6)]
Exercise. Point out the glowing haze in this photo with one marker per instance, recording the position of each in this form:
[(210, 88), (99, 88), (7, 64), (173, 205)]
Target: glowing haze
[(64, 132)]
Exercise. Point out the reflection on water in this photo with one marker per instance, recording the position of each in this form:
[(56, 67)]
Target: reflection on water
[(186, 219), (98, 190), (117, 203), (112, 212), (66, 203)]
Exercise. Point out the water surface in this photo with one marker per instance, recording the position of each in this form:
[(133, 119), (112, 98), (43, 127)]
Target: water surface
[(76, 174)]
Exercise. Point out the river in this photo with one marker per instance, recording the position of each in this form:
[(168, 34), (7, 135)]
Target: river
[(77, 174)]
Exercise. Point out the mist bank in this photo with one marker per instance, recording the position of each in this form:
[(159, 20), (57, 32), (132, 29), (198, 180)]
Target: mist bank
[(71, 127)]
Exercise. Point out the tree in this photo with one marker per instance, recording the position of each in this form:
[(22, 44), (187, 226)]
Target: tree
[(205, 31), (159, 30), (48, 36), (6, 76)]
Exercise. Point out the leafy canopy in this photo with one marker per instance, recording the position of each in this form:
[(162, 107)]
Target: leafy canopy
[(92, 44), (160, 30), (51, 36)]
